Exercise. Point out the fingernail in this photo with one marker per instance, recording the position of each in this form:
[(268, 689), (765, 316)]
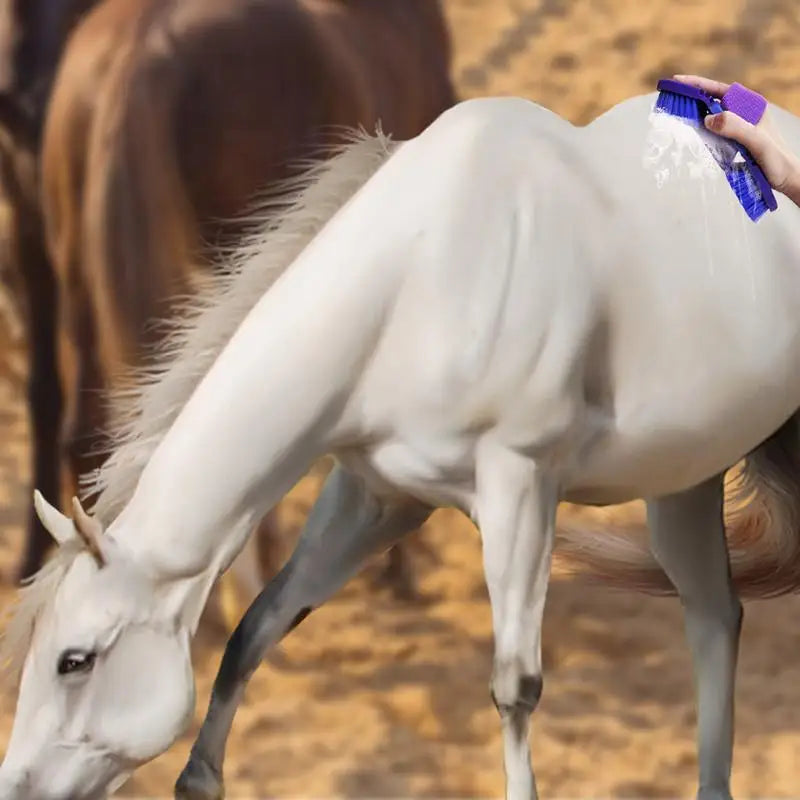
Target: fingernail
[(713, 121)]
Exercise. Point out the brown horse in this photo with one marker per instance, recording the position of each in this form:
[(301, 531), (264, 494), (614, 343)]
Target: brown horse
[(166, 119)]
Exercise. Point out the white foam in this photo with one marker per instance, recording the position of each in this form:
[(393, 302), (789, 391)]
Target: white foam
[(674, 149), (689, 159)]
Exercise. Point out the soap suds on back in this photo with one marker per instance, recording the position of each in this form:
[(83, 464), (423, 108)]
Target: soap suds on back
[(680, 153), (674, 149)]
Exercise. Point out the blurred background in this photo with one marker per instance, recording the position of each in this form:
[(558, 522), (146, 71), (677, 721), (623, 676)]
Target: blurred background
[(382, 695)]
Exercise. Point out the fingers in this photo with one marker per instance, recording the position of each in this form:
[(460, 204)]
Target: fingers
[(768, 124), (765, 144), (719, 89), (734, 127), (715, 88)]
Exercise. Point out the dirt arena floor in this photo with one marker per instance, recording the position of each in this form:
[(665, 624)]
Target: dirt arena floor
[(372, 697)]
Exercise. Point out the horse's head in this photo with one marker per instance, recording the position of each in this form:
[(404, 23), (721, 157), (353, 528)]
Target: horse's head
[(106, 683)]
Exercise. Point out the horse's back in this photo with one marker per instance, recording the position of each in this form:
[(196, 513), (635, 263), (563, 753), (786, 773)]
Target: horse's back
[(551, 289)]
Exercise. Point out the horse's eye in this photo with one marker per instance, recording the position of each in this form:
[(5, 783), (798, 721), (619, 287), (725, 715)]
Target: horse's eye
[(75, 661)]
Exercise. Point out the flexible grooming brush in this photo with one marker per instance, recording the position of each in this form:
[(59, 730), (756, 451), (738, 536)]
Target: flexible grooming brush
[(693, 105)]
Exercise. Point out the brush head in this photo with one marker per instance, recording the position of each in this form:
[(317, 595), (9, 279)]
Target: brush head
[(685, 108), (745, 177), (685, 101)]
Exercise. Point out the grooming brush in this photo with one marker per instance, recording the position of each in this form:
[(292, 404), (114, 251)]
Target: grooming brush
[(692, 106)]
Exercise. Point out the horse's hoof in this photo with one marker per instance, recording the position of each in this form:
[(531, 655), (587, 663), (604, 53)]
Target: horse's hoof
[(714, 794), (199, 781)]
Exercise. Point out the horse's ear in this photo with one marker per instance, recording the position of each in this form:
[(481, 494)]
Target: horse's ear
[(59, 526), (90, 530)]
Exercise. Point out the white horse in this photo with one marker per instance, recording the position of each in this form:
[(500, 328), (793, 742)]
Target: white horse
[(503, 313)]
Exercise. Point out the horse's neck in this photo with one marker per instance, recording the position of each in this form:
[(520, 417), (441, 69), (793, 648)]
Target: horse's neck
[(266, 409)]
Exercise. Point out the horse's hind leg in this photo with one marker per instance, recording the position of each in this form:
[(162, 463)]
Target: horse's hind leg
[(516, 509), (346, 525), (688, 539), (44, 394), (398, 574)]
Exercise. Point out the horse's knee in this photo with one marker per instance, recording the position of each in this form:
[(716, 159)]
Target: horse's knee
[(514, 690), (199, 781), (715, 613)]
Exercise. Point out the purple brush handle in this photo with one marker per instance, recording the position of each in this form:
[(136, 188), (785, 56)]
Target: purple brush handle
[(750, 106), (685, 89), (745, 103)]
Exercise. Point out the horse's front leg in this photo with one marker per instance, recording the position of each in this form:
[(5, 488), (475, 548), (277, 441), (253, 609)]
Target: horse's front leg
[(346, 525), (688, 539), (516, 507)]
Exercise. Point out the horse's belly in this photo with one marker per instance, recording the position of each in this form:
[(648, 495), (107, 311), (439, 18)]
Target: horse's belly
[(680, 440), (438, 471)]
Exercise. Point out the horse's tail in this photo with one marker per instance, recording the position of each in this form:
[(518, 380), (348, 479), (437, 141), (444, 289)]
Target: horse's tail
[(763, 530)]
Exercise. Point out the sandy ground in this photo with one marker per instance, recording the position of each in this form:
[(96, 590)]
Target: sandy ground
[(373, 697)]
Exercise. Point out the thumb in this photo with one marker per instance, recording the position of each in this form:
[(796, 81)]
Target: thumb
[(734, 127)]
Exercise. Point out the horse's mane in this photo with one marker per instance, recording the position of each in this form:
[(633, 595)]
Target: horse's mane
[(283, 223), (30, 601)]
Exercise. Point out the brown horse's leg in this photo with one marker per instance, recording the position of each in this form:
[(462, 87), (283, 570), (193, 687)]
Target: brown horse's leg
[(398, 574), (45, 403), (84, 380), (84, 423)]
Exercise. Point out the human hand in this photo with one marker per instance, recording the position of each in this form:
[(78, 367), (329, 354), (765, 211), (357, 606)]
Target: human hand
[(780, 165)]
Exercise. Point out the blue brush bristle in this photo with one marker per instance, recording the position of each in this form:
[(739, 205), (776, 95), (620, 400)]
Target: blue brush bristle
[(746, 190), (677, 105)]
